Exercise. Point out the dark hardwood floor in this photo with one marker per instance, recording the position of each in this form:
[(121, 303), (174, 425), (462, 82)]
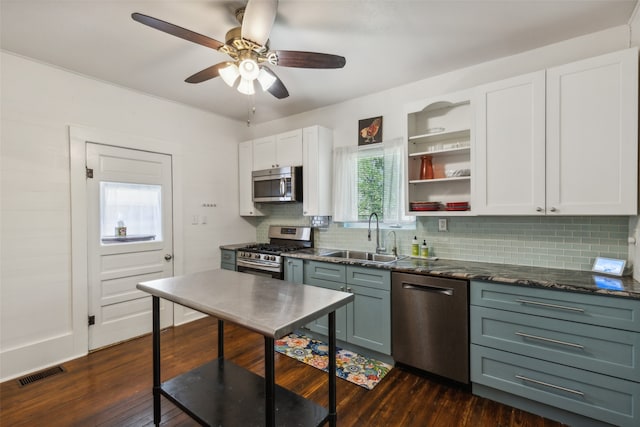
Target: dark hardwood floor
[(112, 387)]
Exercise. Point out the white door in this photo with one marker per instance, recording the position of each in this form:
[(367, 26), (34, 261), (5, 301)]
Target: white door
[(130, 239), (592, 136), (509, 172), (289, 148)]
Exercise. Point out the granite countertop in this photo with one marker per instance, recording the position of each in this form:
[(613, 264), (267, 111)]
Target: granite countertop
[(553, 278), (268, 306)]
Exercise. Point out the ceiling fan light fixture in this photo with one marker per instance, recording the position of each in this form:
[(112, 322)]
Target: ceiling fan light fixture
[(246, 87), (266, 79), (249, 69), (229, 74)]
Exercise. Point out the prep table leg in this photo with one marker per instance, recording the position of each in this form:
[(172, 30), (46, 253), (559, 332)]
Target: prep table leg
[(333, 416), (156, 359), (220, 339), (269, 382)]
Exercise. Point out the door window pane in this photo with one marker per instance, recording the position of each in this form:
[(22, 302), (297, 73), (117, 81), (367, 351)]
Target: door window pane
[(130, 212)]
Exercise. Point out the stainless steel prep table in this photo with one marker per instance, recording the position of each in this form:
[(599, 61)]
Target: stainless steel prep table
[(222, 393)]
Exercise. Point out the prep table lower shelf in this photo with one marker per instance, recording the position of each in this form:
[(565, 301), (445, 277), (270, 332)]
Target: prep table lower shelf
[(221, 392)]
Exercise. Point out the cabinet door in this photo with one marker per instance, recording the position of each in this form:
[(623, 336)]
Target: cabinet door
[(264, 153), (317, 171), (592, 136), (321, 324), (228, 259), (245, 166), (369, 318), (293, 270), (289, 148), (509, 172), (330, 276)]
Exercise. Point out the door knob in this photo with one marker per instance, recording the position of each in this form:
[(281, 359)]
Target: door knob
[(168, 257)]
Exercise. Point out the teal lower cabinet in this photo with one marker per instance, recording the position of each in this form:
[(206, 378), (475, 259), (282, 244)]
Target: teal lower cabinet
[(228, 259), (571, 357), (366, 321), (293, 268)]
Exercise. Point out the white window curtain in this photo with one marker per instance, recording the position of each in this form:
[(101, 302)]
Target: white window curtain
[(137, 206), (393, 202), (346, 182)]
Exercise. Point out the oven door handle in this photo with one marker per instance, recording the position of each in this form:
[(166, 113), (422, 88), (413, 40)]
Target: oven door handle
[(283, 187), (244, 263)]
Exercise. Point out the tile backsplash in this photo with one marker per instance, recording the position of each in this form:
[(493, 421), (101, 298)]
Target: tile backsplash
[(557, 242)]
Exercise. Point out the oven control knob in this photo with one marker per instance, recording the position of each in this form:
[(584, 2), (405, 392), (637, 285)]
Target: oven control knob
[(257, 256)]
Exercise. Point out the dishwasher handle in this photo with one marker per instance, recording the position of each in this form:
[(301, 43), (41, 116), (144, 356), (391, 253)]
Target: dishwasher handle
[(427, 288)]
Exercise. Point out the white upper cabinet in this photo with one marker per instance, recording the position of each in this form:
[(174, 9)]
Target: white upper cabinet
[(510, 146), (592, 136), (564, 142), (245, 167), (317, 171), (276, 151)]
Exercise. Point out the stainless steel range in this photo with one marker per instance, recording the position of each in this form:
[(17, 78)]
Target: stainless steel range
[(265, 259)]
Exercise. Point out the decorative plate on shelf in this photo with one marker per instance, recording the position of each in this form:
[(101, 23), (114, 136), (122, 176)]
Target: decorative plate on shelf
[(425, 206), (457, 206)]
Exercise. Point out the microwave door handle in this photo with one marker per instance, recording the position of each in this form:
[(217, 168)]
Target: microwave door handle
[(283, 187)]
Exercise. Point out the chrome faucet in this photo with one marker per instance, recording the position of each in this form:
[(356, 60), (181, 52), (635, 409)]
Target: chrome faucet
[(394, 249), (378, 248)]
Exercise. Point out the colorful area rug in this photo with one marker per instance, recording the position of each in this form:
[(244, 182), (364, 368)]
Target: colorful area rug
[(350, 366)]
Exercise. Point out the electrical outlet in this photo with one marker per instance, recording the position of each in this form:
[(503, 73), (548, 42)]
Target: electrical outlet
[(442, 224)]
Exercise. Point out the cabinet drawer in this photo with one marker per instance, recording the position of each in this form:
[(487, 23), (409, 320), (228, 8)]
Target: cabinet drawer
[(602, 397), (325, 271), (369, 277), (608, 351), (621, 313)]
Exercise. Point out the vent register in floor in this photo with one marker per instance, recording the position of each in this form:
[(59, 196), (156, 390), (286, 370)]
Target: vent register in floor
[(350, 366)]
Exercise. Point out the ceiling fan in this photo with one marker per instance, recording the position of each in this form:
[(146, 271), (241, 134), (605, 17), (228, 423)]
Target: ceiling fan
[(248, 47)]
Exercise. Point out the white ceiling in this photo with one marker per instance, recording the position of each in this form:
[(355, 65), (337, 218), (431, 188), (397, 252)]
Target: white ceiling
[(386, 43)]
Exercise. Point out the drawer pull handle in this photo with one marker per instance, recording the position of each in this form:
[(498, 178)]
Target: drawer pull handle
[(544, 304), (557, 387), (551, 340)]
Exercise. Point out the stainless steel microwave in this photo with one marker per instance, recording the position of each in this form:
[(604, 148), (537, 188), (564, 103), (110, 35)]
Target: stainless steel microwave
[(277, 185)]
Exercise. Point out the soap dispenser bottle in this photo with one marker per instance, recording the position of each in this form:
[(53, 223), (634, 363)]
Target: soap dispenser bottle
[(424, 249), (415, 247)]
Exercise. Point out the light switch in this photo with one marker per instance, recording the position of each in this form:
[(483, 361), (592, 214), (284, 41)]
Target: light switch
[(195, 220)]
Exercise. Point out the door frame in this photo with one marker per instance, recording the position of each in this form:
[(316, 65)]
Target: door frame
[(78, 137)]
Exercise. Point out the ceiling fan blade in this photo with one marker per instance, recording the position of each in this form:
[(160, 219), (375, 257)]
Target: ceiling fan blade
[(299, 59), (258, 19), (207, 73), (177, 31), (277, 88)]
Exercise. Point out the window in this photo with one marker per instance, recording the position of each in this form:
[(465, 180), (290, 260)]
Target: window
[(138, 207), (370, 179)]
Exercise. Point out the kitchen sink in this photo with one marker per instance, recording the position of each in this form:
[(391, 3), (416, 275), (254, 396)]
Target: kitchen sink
[(362, 255)]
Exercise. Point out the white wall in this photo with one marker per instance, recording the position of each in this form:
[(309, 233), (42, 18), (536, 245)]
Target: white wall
[(343, 118), (38, 316)]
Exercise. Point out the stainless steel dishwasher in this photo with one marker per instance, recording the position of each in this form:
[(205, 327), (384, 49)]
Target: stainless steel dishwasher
[(430, 324)]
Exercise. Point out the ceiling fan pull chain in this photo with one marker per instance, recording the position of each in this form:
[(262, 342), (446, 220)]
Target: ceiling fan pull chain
[(251, 111)]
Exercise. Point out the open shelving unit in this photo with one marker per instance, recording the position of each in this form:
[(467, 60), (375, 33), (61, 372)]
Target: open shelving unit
[(440, 128)]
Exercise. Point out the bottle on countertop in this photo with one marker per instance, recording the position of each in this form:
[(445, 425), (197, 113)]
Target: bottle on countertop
[(415, 247), (424, 249)]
